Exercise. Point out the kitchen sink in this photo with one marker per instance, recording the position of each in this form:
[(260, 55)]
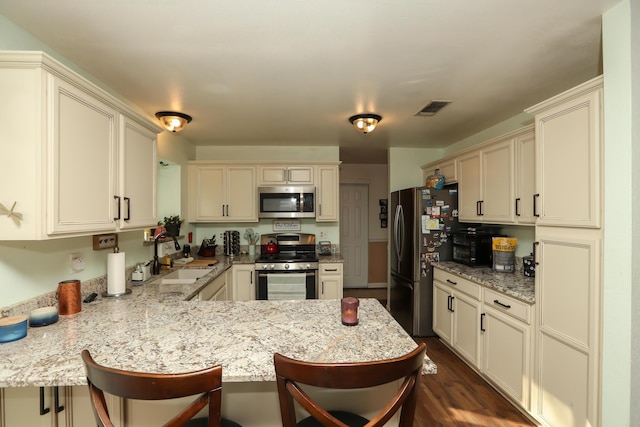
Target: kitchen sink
[(183, 276)]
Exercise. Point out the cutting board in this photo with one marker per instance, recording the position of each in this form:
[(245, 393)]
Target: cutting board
[(202, 263)]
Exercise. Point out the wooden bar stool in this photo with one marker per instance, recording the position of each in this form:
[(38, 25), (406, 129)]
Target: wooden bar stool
[(207, 383), (290, 373)]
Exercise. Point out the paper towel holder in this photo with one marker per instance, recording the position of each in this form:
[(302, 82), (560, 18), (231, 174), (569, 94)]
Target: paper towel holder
[(119, 294)]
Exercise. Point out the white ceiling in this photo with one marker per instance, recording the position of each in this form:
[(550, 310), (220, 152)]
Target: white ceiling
[(291, 72)]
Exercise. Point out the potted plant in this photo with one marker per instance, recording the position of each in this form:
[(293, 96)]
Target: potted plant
[(172, 224)]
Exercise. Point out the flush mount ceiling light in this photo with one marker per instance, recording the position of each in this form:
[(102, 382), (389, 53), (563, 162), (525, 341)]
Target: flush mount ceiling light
[(365, 123), (173, 121)]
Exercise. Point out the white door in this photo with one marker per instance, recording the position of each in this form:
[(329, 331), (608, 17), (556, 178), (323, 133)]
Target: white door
[(354, 234)]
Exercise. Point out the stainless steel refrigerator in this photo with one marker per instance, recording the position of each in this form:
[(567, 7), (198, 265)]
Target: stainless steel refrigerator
[(422, 221)]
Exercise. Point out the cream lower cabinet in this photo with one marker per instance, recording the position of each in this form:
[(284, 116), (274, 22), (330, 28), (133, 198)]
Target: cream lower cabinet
[(456, 314), (327, 194), (217, 290), (244, 285), (568, 327), (222, 193), (52, 407), (507, 345), (330, 284)]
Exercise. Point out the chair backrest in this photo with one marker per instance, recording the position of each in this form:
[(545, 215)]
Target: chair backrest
[(206, 383), (290, 373)]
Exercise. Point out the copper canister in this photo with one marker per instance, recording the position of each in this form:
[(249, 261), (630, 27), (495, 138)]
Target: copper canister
[(68, 295)]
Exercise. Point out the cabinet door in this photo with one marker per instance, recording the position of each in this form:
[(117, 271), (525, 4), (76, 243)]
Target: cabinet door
[(301, 175), (33, 406), (568, 300), (212, 291), (81, 162), (506, 359), (244, 288), (498, 192), (442, 315), (327, 194), (207, 192), (242, 199), (331, 281), (81, 412), (466, 327), (569, 163), (469, 187), (525, 178), (279, 175), (446, 168), (137, 175)]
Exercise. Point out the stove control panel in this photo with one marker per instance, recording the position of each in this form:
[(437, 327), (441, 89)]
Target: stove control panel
[(287, 266)]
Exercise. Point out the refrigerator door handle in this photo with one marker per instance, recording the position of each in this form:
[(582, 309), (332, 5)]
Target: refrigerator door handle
[(398, 232)]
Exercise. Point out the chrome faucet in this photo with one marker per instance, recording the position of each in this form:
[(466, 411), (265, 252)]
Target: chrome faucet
[(155, 268)]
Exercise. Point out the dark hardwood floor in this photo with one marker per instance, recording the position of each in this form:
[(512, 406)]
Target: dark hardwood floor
[(457, 396)]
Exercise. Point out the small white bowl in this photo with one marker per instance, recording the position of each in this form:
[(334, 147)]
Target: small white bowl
[(13, 328), (43, 316)]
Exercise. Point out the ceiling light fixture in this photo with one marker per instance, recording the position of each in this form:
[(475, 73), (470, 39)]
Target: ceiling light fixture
[(365, 123), (173, 121)]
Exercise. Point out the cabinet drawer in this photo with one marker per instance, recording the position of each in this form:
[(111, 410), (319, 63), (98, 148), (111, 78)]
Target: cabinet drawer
[(508, 305), (328, 269), (457, 283)]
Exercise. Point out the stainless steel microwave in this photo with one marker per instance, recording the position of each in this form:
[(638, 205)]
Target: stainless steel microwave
[(287, 202)]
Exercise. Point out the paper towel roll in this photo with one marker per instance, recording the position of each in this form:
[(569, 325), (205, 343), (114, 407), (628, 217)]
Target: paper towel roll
[(116, 283)]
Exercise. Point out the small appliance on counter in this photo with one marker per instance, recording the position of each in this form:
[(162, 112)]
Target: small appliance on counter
[(324, 248), (472, 246), (231, 243)]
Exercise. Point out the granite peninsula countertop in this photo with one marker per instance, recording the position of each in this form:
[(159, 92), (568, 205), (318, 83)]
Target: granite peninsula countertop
[(155, 329), (513, 284)]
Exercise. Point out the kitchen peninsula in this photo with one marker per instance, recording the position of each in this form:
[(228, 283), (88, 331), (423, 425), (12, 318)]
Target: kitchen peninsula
[(155, 330)]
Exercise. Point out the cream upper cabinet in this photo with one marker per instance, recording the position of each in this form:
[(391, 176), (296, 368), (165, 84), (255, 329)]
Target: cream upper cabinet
[(445, 167), (525, 183), (569, 157), (486, 184), (63, 133), (328, 194), (282, 174), (222, 193), (138, 175), (81, 161), (331, 281), (469, 187)]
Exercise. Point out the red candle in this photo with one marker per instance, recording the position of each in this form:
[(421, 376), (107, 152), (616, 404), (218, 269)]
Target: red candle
[(349, 310)]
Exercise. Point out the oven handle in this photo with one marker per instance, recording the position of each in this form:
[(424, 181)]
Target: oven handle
[(265, 273)]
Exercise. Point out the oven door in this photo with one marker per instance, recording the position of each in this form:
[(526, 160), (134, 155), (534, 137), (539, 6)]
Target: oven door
[(286, 285)]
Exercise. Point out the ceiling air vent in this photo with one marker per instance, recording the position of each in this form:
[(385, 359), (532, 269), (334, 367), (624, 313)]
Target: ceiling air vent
[(432, 108)]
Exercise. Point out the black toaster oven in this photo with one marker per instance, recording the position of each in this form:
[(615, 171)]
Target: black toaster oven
[(472, 247)]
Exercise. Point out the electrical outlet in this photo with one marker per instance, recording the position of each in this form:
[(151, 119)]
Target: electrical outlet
[(76, 262), (323, 234)]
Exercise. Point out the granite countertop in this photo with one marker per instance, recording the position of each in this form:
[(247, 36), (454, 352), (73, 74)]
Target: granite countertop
[(155, 329), (513, 284)]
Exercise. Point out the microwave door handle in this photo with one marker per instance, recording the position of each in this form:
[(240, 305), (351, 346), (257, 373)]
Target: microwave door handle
[(301, 203)]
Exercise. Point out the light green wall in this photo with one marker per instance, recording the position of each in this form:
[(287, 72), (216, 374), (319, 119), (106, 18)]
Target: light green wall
[(405, 166), (619, 211)]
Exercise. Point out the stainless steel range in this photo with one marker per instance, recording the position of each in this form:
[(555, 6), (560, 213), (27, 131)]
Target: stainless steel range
[(287, 267)]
